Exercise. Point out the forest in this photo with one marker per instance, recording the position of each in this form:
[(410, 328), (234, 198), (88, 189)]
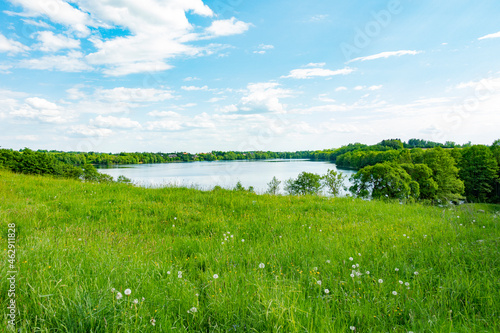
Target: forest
[(408, 171)]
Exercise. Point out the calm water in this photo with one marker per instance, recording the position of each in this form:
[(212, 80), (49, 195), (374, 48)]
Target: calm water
[(206, 175)]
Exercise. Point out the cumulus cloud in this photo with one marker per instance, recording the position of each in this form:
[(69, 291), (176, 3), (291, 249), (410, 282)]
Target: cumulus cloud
[(71, 62), (307, 73), (40, 109), (227, 27), (194, 88), (138, 95), (261, 97), (163, 114), (114, 122), (50, 42), (11, 46), (385, 55), (58, 11), (89, 131)]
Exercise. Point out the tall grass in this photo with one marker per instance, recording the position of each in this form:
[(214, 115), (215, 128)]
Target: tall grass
[(77, 241)]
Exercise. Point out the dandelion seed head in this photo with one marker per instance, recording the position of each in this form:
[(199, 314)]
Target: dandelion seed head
[(380, 281), (394, 293), (407, 284), (327, 291), (396, 269), (119, 295), (127, 292), (318, 282), (400, 282), (351, 258), (352, 328), (261, 265), (216, 276), (352, 275), (136, 301), (416, 273)]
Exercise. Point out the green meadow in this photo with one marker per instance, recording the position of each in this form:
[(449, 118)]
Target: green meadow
[(233, 261)]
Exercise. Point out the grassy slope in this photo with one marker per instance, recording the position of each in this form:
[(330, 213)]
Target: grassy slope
[(77, 240)]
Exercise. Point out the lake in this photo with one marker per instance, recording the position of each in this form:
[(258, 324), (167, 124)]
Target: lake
[(206, 175)]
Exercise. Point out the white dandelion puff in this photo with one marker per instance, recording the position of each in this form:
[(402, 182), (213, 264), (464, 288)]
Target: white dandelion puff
[(216, 276), (127, 292), (136, 301), (396, 269), (119, 295), (351, 258), (318, 282), (327, 291), (394, 293), (261, 265), (380, 281)]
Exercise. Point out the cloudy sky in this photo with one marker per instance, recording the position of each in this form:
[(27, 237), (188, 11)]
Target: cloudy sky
[(202, 75)]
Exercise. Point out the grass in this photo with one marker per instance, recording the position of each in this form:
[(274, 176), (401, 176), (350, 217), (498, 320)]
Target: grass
[(76, 241)]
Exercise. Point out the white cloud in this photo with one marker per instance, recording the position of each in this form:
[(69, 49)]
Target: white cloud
[(5, 69), (194, 88), (307, 73), (494, 35), (42, 110), (318, 18), (264, 97), (40, 24), (138, 95), (216, 99), (114, 122), (386, 55), (11, 46), (163, 114), (72, 62), (191, 78), (164, 125), (27, 137), (359, 87), (373, 88), (58, 11), (266, 47), (315, 64), (227, 27), (340, 89), (89, 131), (52, 43), (262, 49)]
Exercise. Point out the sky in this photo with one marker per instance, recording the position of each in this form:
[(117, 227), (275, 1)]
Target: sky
[(196, 76)]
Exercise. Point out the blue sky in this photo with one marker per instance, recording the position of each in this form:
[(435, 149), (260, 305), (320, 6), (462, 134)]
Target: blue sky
[(193, 75)]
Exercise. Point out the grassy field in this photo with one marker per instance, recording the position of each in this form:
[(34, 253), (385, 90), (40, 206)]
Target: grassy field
[(224, 261)]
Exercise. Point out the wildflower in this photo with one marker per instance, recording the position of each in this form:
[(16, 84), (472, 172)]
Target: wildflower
[(153, 321), (353, 266), (367, 272), (400, 282), (119, 295), (352, 275), (193, 310), (380, 281), (407, 284), (351, 258), (168, 272), (416, 273), (216, 276), (175, 218), (143, 299), (136, 301), (243, 240), (127, 292), (327, 291), (328, 261), (113, 290), (261, 265), (394, 293), (359, 254), (404, 235), (318, 282), (396, 269), (352, 328)]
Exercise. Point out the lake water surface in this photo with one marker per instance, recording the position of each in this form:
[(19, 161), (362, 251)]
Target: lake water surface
[(206, 175)]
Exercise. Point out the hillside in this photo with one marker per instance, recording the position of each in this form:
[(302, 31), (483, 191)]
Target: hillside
[(223, 261)]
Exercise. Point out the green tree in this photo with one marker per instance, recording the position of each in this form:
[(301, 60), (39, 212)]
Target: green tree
[(273, 187), (479, 171), (445, 173), (422, 174), (306, 183), (334, 181), (384, 180)]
